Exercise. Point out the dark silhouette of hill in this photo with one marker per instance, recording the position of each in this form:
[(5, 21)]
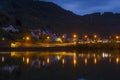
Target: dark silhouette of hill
[(33, 14)]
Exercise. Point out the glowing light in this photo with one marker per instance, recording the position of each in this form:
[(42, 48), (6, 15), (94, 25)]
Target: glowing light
[(58, 57), (86, 36), (13, 45), (48, 37), (23, 59), (63, 36), (86, 61), (94, 55), (3, 59), (74, 62), (117, 37), (27, 38), (95, 61), (27, 60), (63, 61), (95, 36), (74, 36), (110, 60), (3, 38), (74, 42), (105, 55), (13, 53), (117, 60), (59, 39), (48, 60), (74, 55)]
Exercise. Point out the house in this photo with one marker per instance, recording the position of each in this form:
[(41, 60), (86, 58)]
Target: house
[(36, 33), (10, 28)]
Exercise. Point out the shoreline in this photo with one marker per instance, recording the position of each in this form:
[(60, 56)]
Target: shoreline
[(77, 47)]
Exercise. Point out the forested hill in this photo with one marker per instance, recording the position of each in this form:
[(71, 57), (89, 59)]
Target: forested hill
[(36, 14)]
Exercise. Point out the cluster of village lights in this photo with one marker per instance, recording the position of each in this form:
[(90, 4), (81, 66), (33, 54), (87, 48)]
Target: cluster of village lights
[(117, 37), (74, 37)]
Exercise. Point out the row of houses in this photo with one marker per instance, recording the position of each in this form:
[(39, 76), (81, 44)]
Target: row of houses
[(49, 35), (35, 33)]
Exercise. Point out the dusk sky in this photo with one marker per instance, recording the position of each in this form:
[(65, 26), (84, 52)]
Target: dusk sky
[(82, 7)]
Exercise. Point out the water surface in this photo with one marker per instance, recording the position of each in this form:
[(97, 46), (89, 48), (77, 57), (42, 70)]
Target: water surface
[(97, 65)]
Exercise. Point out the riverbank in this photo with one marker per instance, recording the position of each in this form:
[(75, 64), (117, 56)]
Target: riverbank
[(90, 46)]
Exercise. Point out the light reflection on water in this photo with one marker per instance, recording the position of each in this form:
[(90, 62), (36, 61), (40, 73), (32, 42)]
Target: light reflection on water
[(76, 61), (62, 57)]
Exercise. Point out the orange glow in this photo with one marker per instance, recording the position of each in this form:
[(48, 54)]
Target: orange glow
[(117, 60), (74, 36), (48, 60), (74, 62), (94, 55), (86, 61), (27, 60), (27, 38), (63, 36), (13, 45), (48, 37), (95, 61), (95, 36), (117, 37), (13, 54), (63, 61), (86, 36)]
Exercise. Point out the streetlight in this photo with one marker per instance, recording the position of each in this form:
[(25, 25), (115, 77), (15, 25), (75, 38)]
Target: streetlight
[(86, 36), (74, 36), (48, 37), (117, 37), (63, 36), (27, 38), (95, 36)]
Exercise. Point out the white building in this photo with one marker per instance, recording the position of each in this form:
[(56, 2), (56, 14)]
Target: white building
[(10, 28)]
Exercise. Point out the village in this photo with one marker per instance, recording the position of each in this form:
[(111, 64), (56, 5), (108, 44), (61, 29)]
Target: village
[(14, 37)]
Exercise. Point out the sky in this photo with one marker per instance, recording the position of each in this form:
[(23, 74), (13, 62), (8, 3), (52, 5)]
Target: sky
[(82, 7)]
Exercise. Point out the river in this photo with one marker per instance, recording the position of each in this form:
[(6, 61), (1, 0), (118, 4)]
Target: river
[(43, 65)]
